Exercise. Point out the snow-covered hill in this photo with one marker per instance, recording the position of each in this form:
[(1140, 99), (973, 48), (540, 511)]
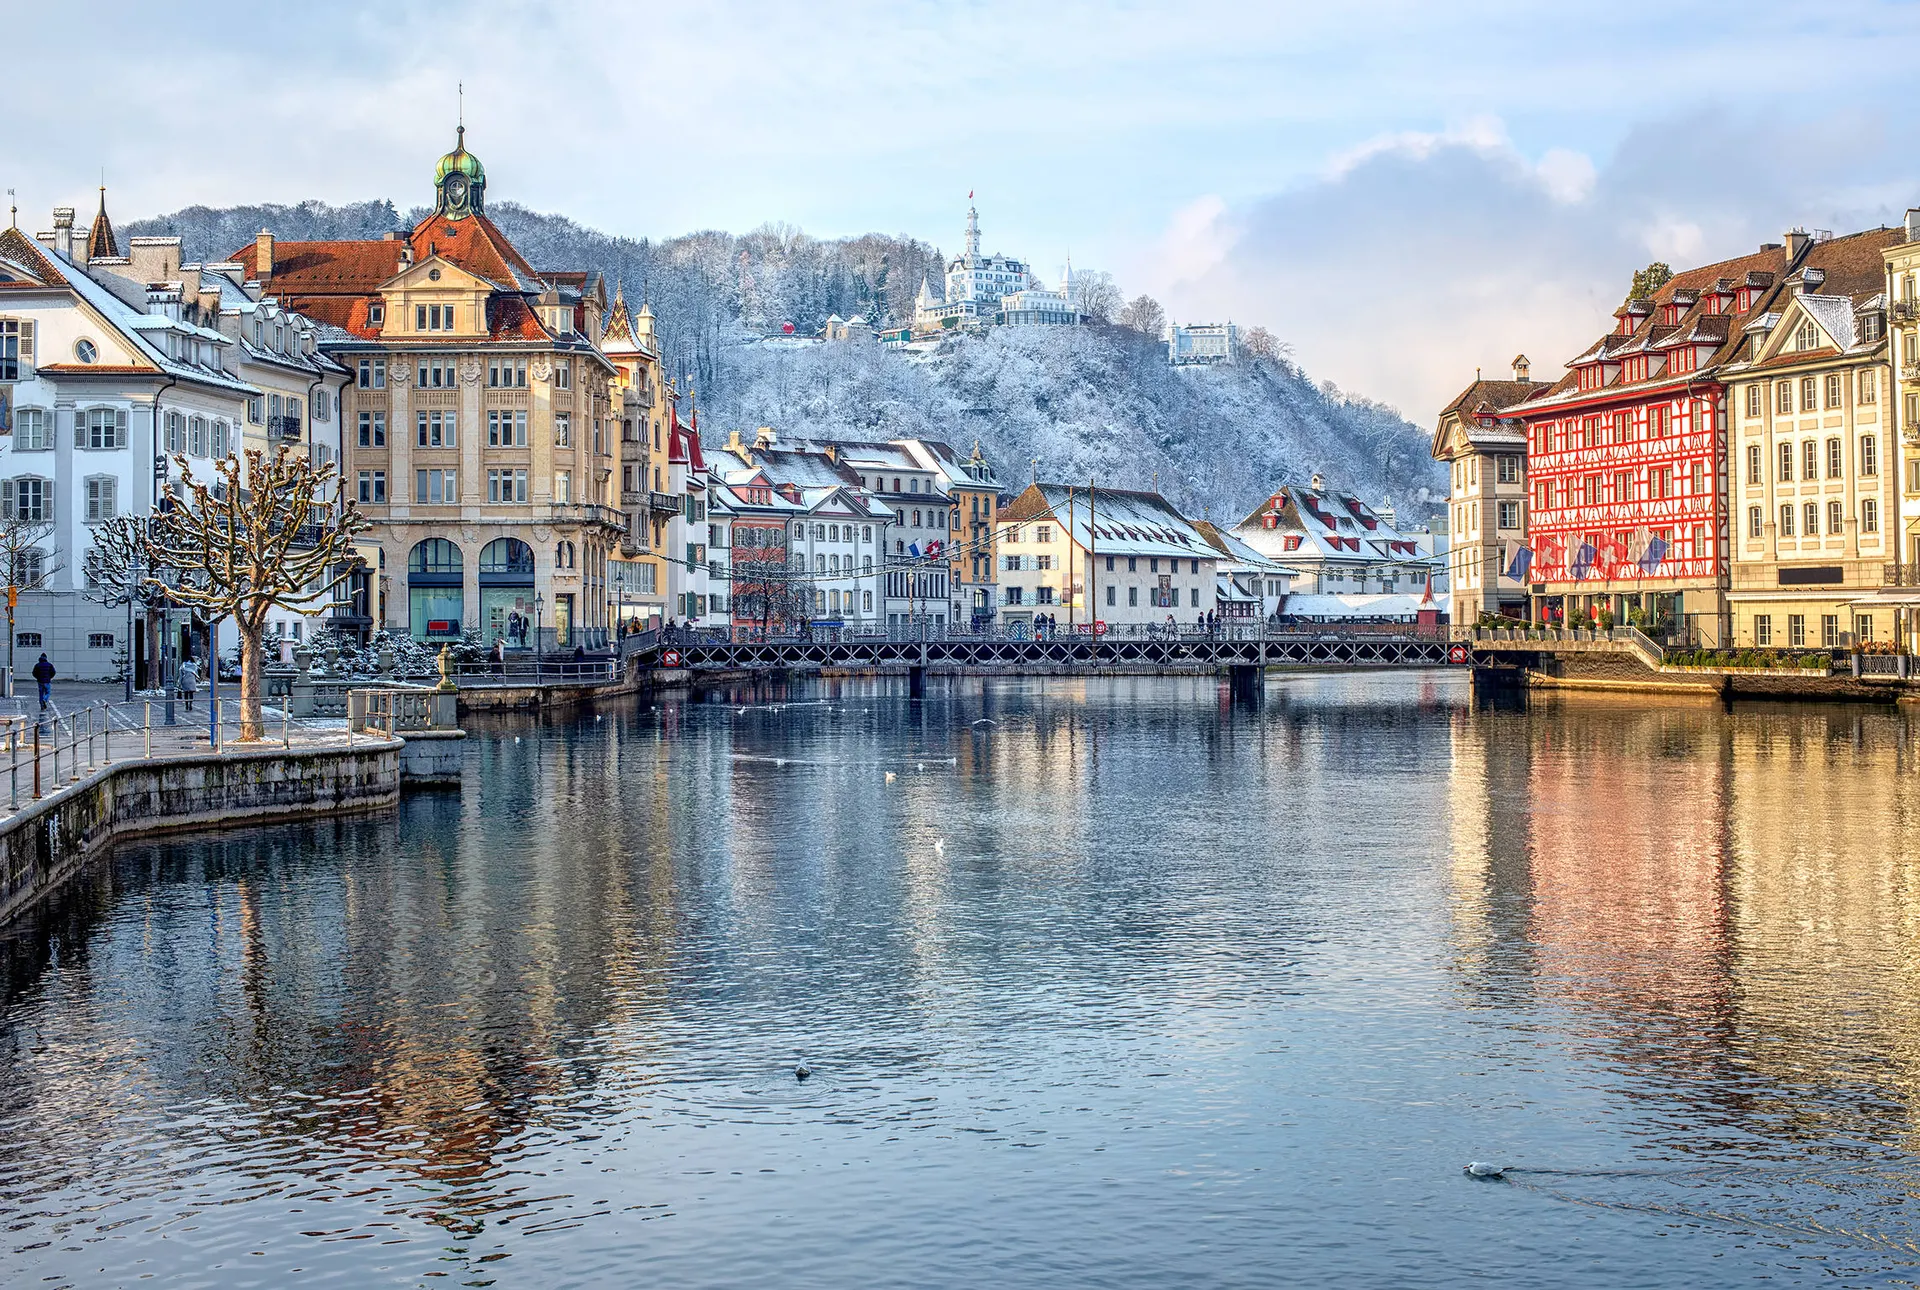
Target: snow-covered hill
[(1096, 401)]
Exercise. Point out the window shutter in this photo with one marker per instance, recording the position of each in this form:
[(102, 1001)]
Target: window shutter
[(79, 428), (6, 499), (120, 428), (26, 342)]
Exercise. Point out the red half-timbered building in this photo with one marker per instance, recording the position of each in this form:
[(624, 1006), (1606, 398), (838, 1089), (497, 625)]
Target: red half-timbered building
[(1626, 455)]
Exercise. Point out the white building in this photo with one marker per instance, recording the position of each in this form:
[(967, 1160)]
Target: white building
[(96, 394), (1202, 343), (1345, 549), (1107, 555), (975, 285), (1248, 585)]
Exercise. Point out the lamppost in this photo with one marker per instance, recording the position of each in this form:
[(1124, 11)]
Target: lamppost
[(539, 602)]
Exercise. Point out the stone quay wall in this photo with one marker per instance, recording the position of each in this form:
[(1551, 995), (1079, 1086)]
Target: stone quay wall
[(50, 840)]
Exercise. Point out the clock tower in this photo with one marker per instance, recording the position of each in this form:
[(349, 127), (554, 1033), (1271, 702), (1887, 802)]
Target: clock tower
[(460, 182)]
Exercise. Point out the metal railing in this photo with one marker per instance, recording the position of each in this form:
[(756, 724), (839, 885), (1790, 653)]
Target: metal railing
[(51, 749), (666, 503), (1900, 575)]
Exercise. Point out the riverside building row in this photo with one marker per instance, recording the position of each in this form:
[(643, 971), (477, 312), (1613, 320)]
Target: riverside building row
[(1734, 463)]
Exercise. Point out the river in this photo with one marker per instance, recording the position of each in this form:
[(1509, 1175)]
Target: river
[(1107, 983)]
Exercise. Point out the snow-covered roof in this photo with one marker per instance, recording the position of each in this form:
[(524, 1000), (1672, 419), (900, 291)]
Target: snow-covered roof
[(1386, 605), (1118, 521), (134, 324)]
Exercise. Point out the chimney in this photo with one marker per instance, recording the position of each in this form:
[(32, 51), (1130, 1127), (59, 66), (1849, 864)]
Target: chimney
[(734, 445), (763, 437), (1318, 483), (1521, 367), (63, 230), (263, 255), (1797, 241)]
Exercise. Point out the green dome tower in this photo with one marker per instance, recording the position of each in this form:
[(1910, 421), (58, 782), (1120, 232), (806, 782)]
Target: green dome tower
[(459, 181)]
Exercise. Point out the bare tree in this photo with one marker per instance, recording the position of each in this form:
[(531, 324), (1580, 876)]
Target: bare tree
[(1144, 315), (116, 569), (1258, 342), (30, 564), (1096, 294), (261, 536)]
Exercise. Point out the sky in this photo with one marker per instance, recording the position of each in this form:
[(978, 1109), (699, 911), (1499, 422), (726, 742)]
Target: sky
[(1402, 192)]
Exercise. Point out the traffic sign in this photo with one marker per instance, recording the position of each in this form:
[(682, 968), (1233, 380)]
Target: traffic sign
[(670, 659), (1458, 654)]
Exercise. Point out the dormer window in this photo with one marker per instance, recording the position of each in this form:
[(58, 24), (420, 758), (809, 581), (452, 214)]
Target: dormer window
[(376, 315), (1670, 315), (1807, 337)]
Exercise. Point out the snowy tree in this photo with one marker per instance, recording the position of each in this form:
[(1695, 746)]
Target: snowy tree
[(1144, 315)]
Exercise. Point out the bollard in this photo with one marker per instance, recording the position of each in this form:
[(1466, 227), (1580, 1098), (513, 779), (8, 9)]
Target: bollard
[(13, 767), (146, 730), (36, 761), (91, 712), (286, 725), (106, 735), (56, 751)]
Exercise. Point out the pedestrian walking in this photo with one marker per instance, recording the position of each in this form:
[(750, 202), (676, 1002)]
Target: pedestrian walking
[(189, 681), (497, 657), (43, 673)]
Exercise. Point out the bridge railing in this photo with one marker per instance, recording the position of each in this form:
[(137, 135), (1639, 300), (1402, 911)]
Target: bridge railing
[(1188, 632)]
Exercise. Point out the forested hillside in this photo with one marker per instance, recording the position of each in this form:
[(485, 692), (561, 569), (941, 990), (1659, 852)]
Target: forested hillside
[(1090, 401)]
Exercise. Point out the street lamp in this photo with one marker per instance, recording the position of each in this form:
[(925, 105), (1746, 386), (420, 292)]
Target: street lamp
[(539, 603)]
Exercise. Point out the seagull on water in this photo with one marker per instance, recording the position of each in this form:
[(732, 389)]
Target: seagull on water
[(1482, 1169), (889, 773)]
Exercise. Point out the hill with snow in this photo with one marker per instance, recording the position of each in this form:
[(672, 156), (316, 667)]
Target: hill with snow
[(1086, 402)]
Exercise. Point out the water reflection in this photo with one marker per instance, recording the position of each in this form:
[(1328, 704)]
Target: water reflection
[(1142, 980)]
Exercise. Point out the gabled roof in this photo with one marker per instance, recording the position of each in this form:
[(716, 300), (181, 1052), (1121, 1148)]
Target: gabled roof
[(24, 264), (1112, 521)]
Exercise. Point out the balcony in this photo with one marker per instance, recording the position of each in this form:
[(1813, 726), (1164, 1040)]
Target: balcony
[(1906, 311), (586, 513), (284, 428), (1901, 575), (631, 497), (666, 503)]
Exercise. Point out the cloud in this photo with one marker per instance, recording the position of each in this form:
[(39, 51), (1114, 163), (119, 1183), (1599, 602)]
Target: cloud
[(1418, 257)]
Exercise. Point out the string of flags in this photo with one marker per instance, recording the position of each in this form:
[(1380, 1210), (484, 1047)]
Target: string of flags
[(1615, 555)]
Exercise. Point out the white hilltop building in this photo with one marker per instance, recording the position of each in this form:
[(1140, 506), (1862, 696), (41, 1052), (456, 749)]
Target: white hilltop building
[(989, 290), (1202, 343)]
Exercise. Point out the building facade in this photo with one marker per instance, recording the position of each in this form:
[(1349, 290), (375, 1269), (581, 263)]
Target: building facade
[(1814, 479), (1343, 548), (1627, 452), (104, 384), (1202, 343), (1486, 455), (481, 438), (1081, 556), (1902, 258)]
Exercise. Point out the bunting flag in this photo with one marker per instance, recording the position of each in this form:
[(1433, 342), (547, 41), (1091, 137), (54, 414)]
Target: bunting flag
[(1656, 552), (913, 549), (1521, 562), (1552, 551), (1583, 561)]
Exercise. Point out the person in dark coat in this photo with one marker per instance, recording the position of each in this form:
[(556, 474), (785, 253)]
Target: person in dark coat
[(43, 673)]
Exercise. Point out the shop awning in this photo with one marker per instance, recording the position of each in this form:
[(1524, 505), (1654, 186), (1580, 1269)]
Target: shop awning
[(1896, 596)]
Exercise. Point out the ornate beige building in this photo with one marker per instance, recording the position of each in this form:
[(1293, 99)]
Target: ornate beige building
[(479, 433), (1811, 457)]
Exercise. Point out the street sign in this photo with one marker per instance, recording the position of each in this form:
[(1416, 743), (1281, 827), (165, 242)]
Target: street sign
[(1458, 654), (670, 659), (1100, 627)]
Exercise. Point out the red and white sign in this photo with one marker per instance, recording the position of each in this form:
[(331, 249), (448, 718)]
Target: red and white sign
[(1458, 654), (670, 659), (1099, 627)]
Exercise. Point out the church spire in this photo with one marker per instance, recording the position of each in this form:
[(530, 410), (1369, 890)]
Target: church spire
[(973, 229), (101, 244)]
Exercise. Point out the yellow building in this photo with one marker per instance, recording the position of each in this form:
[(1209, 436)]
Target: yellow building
[(1814, 486), (480, 439), (639, 396), (1902, 259), (1486, 456)]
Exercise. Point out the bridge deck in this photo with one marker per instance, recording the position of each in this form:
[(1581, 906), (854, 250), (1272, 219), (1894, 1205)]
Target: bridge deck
[(1364, 650)]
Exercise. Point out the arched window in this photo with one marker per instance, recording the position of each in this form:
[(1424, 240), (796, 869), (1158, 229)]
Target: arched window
[(435, 555), (866, 601), (506, 557)]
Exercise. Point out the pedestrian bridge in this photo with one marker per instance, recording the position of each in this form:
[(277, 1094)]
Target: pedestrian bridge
[(1238, 648)]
